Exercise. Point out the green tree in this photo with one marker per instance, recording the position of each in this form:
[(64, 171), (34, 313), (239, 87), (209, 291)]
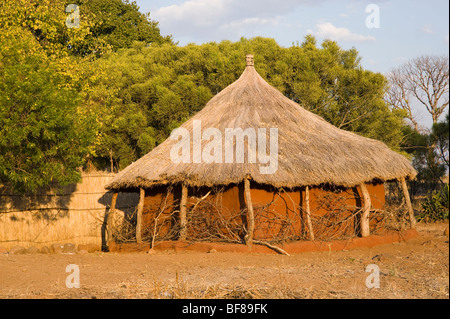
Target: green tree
[(429, 151), (104, 25), (440, 135), (147, 100), (330, 82), (75, 54), (119, 23), (44, 134)]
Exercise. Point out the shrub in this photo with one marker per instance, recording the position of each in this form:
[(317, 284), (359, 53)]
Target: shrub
[(435, 206)]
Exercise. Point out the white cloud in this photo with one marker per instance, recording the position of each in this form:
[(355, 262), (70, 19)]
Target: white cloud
[(223, 19), (251, 21), (446, 39), (427, 29), (327, 30), (200, 12)]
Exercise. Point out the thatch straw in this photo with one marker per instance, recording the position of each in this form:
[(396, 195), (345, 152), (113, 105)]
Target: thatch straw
[(311, 150), (75, 213)]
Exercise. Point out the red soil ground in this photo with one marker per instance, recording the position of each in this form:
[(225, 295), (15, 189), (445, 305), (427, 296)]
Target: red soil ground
[(416, 268)]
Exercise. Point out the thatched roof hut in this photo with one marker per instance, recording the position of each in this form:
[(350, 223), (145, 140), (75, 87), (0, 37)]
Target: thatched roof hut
[(310, 152)]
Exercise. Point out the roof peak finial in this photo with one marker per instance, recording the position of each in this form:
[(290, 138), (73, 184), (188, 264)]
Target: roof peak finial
[(249, 60)]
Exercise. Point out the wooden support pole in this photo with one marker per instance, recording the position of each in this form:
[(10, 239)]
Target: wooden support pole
[(308, 214), (139, 215), (110, 218), (183, 208), (365, 229), (412, 219), (250, 215)]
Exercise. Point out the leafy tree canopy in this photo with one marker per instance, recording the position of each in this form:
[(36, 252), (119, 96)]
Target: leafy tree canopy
[(103, 25), (53, 95), (44, 135)]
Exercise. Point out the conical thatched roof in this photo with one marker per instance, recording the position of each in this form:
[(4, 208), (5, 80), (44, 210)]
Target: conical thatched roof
[(310, 150)]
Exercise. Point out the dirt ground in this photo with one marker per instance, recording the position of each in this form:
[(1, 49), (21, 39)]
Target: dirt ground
[(418, 268)]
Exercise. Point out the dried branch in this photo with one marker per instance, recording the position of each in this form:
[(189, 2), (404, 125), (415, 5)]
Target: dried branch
[(425, 79), (277, 249)]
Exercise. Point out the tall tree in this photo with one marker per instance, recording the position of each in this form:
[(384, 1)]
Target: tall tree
[(116, 24), (44, 134), (430, 152), (103, 25), (424, 80), (440, 138), (330, 82), (74, 55)]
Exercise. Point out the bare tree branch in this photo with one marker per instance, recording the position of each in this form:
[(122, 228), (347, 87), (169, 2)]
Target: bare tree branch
[(425, 79)]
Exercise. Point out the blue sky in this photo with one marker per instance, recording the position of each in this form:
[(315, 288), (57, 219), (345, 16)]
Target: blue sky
[(406, 29)]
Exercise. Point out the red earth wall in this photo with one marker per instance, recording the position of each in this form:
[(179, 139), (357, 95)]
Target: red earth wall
[(277, 214)]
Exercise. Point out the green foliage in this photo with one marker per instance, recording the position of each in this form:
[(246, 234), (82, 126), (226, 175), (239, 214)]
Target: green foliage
[(440, 138), (116, 24), (54, 92), (331, 83), (429, 150), (436, 206), (104, 25), (43, 133), (147, 98)]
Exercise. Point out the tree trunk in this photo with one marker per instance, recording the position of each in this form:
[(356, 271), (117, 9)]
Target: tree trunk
[(412, 219), (308, 214), (183, 219), (111, 160), (250, 216), (365, 229), (110, 219), (139, 215)]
